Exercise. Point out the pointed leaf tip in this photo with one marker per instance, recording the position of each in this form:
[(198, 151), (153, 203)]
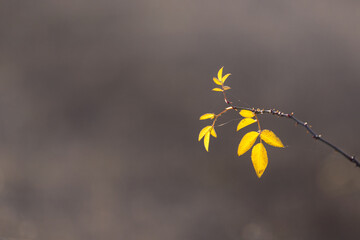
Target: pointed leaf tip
[(259, 159), (247, 142), (270, 138), (225, 77), (220, 72)]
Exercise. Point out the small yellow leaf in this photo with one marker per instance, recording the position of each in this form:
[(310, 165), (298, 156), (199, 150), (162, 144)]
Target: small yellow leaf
[(213, 133), (217, 90), (203, 132), (220, 72), (225, 77), (226, 88), (207, 116), (247, 142), (245, 122), (270, 138), (216, 81), (247, 113), (207, 141), (259, 159)]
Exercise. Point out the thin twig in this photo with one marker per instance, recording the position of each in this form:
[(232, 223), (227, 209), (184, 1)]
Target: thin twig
[(313, 134), (299, 122)]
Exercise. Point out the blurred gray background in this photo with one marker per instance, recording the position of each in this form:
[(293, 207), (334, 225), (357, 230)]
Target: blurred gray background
[(100, 102)]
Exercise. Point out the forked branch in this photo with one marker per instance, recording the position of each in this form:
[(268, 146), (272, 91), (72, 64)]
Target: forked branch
[(306, 125), (259, 154)]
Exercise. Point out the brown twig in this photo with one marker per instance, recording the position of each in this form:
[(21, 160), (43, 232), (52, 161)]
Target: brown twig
[(291, 116)]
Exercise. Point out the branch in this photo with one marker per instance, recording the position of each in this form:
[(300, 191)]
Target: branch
[(304, 124), (314, 135)]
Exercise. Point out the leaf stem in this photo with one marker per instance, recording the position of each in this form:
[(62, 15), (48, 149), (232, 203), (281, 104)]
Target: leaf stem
[(258, 122), (219, 114)]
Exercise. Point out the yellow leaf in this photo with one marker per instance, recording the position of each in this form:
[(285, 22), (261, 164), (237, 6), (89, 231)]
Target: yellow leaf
[(213, 133), (226, 88), (270, 138), (207, 141), (216, 81), (259, 159), (203, 132), (247, 142), (207, 116), (245, 122), (247, 113), (225, 77), (220, 74), (217, 90)]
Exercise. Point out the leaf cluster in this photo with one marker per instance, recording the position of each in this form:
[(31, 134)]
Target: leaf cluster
[(258, 154)]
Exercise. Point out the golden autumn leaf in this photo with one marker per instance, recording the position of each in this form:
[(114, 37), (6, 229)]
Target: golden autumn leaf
[(226, 88), (213, 133), (207, 141), (259, 159), (247, 142), (207, 116), (270, 138), (220, 72), (216, 81), (247, 114), (217, 90), (245, 122), (225, 77), (203, 132)]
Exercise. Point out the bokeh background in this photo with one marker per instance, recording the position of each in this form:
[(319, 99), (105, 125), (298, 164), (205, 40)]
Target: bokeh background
[(100, 102)]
